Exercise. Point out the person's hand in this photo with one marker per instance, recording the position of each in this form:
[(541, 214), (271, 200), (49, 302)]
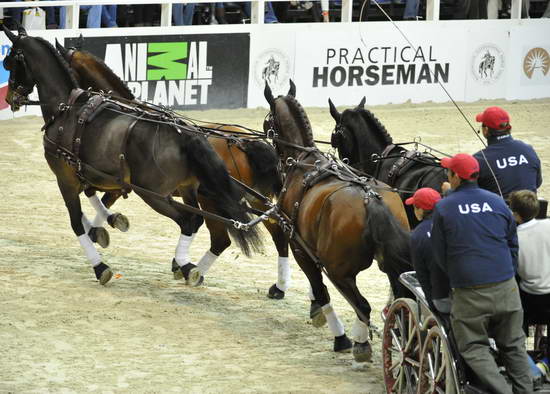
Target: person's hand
[(445, 187)]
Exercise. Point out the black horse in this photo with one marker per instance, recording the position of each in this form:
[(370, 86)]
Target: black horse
[(93, 143), (364, 141), (247, 158), (340, 222)]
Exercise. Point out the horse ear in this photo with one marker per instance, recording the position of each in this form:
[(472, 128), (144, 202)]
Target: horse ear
[(12, 37), (362, 103), (21, 30), (334, 112), (292, 90), (60, 48), (79, 42), (268, 95)]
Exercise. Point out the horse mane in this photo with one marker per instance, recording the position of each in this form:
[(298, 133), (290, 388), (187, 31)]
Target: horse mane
[(110, 75), (298, 111), (374, 124), (60, 60)]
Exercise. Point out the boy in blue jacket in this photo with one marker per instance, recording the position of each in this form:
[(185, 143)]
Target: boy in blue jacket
[(433, 280), (475, 242)]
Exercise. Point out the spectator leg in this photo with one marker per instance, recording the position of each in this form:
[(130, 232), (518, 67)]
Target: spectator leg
[(471, 312), (177, 14), (108, 15), (507, 329), (547, 12), (492, 9), (188, 13), (94, 16), (281, 10), (411, 9), (219, 12), (269, 16)]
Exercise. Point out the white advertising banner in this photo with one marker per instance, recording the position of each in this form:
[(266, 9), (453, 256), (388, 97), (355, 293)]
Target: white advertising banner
[(375, 60), (487, 59), (272, 61), (530, 62)]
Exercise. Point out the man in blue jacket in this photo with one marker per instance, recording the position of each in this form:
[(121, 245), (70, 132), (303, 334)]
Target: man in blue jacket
[(475, 242), (515, 163), (433, 280)]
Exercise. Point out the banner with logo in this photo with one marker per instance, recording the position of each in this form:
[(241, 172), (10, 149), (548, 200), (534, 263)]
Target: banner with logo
[(487, 61), (375, 60), (530, 53), (271, 61), (179, 71)]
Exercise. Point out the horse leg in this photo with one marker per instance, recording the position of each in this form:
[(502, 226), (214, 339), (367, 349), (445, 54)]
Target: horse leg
[(277, 290), (103, 213), (186, 223), (320, 292), (70, 193), (360, 333)]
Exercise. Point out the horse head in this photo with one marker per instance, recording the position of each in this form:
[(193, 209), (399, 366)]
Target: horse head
[(357, 135), (33, 61), (288, 123)]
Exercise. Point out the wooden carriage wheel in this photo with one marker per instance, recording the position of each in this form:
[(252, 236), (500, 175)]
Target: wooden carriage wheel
[(401, 347), (436, 373)]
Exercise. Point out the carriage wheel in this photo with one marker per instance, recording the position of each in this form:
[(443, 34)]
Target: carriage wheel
[(401, 347), (436, 374)]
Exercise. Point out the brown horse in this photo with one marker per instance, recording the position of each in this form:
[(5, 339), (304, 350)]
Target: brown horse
[(92, 142), (338, 221), (251, 161)]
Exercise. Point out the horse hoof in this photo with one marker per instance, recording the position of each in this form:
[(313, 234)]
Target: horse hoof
[(119, 221), (195, 277), (176, 270), (362, 352), (185, 270), (275, 294), (317, 316), (103, 273), (100, 236), (342, 344)]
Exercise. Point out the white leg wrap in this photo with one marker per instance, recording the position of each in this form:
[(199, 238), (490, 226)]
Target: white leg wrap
[(334, 323), (283, 279), (206, 262), (91, 252), (182, 250), (102, 212), (311, 296), (85, 223), (360, 331)]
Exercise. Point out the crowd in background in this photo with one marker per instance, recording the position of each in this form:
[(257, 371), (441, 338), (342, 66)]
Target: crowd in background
[(94, 16)]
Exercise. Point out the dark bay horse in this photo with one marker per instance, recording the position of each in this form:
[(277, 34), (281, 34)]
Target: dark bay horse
[(338, 221), (91, 142), (251, 161), (359, 135)]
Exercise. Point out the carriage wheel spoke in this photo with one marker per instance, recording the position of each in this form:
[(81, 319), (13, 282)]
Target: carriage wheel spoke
[(396, 339)]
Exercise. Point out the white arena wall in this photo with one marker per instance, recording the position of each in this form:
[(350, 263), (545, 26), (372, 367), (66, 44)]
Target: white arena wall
[(199, 67)]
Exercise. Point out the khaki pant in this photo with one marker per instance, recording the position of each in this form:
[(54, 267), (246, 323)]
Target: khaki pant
[(495, 312)]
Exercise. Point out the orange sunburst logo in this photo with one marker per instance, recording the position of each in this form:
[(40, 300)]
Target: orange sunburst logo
[(536, 58)]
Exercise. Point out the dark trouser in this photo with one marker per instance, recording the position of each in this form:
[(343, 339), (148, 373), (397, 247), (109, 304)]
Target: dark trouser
[(536, 308), (471, 9), (495, 312)]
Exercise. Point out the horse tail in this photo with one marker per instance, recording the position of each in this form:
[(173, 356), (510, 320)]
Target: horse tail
[(216, 184), (263, 160), (390, 241)]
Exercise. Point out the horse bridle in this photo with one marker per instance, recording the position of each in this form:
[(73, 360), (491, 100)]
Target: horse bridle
[(20, 92)]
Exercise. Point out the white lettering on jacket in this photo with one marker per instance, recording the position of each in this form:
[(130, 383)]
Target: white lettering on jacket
[(511, 161), (474, 208)]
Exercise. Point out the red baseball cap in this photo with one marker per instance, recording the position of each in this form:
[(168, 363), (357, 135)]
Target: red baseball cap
[(462, 164), (424, 198), (495, 118)]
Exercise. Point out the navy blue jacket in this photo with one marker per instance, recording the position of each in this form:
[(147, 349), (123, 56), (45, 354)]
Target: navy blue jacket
[(433, 280), (474, 237), (515, 163)]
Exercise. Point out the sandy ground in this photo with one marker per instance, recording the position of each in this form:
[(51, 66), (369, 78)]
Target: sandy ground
[(145, 332)]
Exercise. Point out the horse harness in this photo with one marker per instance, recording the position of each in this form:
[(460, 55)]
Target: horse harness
[(316, 173)]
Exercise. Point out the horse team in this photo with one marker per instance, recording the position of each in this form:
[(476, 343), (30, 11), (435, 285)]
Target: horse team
[(112, 143)]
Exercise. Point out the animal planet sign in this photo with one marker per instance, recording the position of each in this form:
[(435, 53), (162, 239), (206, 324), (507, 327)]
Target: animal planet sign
[(179, 71)]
